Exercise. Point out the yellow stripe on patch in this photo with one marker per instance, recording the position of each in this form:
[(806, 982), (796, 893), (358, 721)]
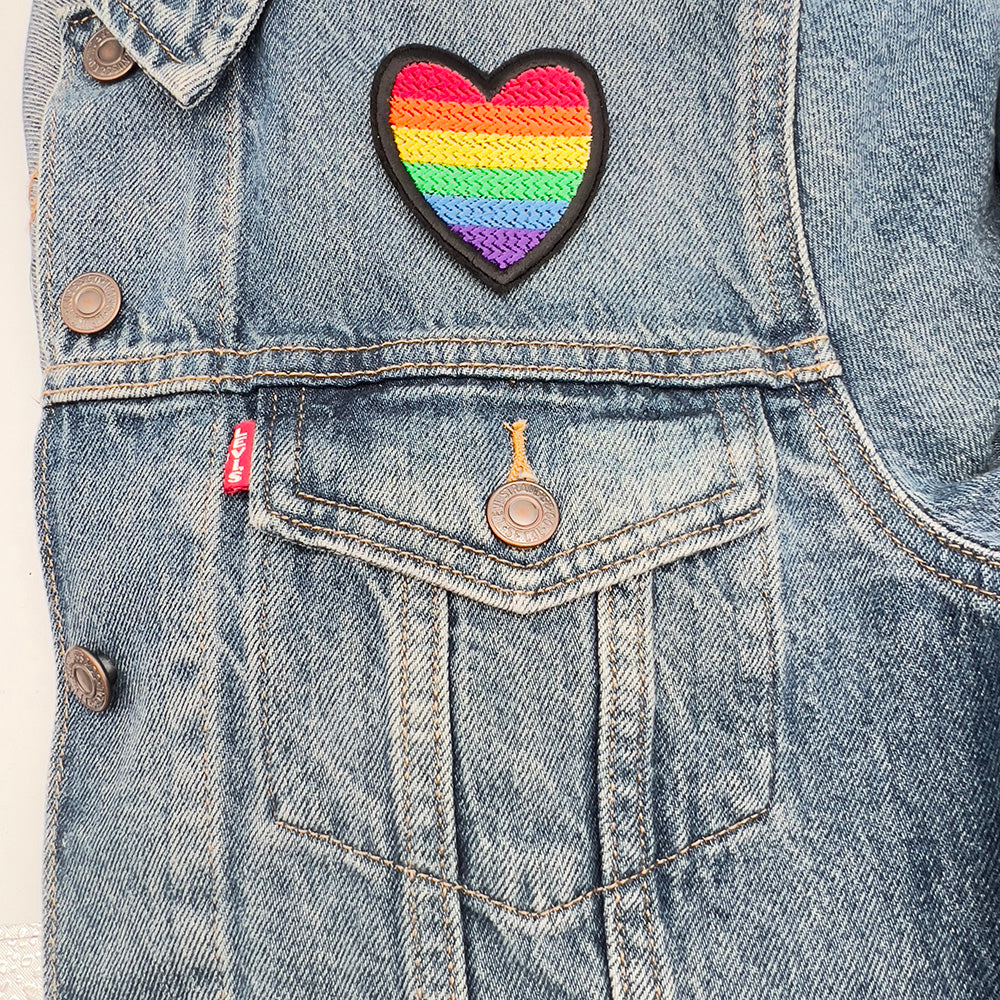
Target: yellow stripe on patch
[(470, 149)]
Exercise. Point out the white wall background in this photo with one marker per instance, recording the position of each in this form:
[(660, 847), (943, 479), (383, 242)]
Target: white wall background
[(27, 664)]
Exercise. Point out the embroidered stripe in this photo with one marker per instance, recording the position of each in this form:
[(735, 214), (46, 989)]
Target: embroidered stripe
[(470, 149), (499, 213), (495, 182), (413, 112)]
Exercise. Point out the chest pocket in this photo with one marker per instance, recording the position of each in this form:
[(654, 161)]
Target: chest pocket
[(551, 716)]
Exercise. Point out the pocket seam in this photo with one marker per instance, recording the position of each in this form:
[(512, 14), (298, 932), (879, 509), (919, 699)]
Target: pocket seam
[(738, 519), (268, 540), (500, 904)]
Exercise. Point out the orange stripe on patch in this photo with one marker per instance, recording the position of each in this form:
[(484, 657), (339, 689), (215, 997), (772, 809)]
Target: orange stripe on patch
[(414, 112)]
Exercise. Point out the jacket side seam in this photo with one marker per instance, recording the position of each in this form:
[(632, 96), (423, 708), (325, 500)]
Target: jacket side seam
[(922, 525), (876, 517)]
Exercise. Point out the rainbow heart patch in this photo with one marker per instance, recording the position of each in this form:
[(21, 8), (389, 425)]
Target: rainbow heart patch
[(499, 167)]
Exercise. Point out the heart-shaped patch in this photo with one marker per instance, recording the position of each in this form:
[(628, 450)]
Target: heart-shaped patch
[(499, 167)]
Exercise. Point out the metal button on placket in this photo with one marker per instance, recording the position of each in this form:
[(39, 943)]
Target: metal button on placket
[(105, 58), (90, 302), (90, 677)]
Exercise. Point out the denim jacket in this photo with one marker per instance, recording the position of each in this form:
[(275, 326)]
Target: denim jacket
[(727, 724)]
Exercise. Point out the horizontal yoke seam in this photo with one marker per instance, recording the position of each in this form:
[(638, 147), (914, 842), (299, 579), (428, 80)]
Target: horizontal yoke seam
[(480, 341), (360, 539), (923, 564), (500, 904), (216, 379)]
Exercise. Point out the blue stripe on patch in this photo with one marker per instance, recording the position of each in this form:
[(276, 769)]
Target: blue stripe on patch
[(496, 213)]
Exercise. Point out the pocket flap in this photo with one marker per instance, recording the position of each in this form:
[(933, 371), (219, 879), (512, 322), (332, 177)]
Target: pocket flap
[(399, 473), (184, 45)]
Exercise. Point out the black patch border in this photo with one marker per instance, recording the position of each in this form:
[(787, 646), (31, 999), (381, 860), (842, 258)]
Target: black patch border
[(500, 280)]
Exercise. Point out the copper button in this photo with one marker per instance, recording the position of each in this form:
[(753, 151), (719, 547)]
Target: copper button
[(90, 302), (522, 513), (104, 57), (90, 678)]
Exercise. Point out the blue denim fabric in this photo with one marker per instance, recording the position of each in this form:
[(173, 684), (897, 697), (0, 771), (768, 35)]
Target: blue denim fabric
[(735, 729)]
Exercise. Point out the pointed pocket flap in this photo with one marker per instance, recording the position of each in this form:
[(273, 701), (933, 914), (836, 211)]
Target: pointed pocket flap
[(401, 474)]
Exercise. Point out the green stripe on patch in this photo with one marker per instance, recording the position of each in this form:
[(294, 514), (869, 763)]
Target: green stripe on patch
[(495, 182)]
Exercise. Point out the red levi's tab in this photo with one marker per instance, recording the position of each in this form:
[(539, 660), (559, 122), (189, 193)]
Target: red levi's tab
[(236, 476)]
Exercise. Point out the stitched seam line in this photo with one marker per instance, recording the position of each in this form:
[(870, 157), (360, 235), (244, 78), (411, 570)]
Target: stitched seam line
[(922, 525), (298, 439), (640, 757), (513, 590), (32, 198), (612, 821), (226, 215), (755, 159), (203, 667), (772, 662), (47, 542), (789, 373), (725, 437), (508, 562), (414, 341), (772, 630), (262, 673), (142, 27), (407, 813), (877, 518), (436, 714), (50, 347), (268, 544), (64, 725), (784, 66), (509, 907), (465, 547)]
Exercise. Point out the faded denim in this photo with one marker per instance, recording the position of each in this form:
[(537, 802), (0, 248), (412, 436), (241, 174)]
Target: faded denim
[(735, 729)]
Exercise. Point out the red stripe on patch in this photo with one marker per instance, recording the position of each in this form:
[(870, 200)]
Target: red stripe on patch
[(554, 86)]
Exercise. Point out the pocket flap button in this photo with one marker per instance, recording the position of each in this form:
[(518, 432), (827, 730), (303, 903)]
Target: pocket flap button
[(522, 514), (90, 677), (105, 58), (90, 302)]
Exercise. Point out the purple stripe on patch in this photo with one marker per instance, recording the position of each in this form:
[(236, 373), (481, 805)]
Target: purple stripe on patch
[(502, 247)]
